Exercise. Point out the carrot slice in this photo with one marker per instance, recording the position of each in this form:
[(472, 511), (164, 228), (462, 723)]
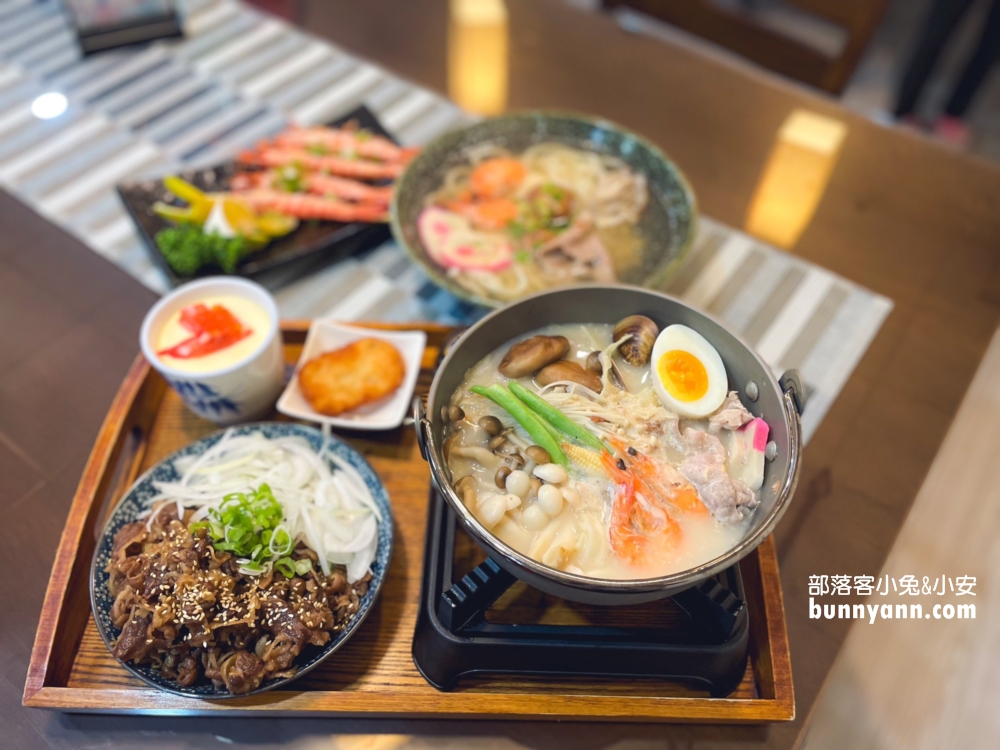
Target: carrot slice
[(496, 178), (493, 214)]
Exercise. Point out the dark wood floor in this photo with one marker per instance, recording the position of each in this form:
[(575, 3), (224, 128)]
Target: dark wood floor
[(69, 323)]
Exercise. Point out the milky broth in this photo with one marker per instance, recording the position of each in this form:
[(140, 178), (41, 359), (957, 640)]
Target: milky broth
[(576, 538)]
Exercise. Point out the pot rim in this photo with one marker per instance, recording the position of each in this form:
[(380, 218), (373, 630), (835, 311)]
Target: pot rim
[(672, 582), (438, 274)]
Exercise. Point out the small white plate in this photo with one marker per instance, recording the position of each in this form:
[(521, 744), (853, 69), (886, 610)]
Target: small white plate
[(386, 413)]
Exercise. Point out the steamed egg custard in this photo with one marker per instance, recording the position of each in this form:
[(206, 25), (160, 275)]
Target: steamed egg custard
[(615, 452), (213, 333)]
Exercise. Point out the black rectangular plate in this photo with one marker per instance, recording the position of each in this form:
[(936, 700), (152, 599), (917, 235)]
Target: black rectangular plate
[(129, 33), (312, 241)]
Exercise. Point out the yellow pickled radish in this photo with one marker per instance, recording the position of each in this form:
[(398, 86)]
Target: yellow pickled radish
[(186, 191), (275, 224), (199, 203), (200, 212), (175, 214), (240, 217)]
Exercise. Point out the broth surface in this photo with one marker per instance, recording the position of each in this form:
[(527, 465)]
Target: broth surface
[(578, 537)]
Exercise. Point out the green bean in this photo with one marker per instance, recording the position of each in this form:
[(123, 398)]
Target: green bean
[(556, 418), (556, 434), (531, 422)]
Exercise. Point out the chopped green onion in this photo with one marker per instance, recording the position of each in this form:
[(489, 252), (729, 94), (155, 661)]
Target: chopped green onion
[(516, 229), (249, 525), (303, 566), (554, 190)]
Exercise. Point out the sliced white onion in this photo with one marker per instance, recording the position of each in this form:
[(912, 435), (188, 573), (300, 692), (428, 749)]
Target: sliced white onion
[(331, 511), (365, 533)]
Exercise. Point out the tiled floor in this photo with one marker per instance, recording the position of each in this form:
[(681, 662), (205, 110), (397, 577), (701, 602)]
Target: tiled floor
[(872, 90)]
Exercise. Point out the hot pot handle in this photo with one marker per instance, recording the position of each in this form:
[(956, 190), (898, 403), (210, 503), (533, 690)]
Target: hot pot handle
[(421, 423), (792, 385), (794, 390), (422, 426), (425, 439)]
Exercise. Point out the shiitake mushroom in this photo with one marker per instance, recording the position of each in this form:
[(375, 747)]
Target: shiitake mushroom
[(531, 355), (566, 369)]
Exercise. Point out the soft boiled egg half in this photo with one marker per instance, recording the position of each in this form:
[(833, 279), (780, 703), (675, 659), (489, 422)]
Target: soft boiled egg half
[(688, 373)]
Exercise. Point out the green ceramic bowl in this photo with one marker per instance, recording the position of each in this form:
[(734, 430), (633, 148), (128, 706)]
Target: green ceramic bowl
[(667, 225)]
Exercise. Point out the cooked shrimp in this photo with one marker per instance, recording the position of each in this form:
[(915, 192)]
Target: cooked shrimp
[(667, 484), (248, 180), (625, 542), (639, 526), (313, 206), (321, 184), (361, 143), (348, 189), (497, 178), (283, 156), (652, 517)]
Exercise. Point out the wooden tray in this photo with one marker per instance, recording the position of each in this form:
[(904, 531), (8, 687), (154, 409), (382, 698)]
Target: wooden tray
[(373, 675)]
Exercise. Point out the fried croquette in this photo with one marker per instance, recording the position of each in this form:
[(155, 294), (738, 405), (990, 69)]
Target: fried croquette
[(351, 376)]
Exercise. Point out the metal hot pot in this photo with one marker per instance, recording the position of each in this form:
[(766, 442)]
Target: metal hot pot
[(777, 401)]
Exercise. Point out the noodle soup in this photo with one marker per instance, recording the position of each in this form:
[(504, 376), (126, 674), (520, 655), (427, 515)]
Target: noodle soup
[(581, 447), (504, 225)]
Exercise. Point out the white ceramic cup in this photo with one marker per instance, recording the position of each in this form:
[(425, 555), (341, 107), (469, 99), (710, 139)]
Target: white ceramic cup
[(238, 392)]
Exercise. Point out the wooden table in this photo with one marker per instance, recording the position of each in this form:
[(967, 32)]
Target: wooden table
[(901, 216)]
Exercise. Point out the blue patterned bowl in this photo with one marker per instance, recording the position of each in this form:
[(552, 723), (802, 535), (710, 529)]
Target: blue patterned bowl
[(667, 225), (135, 502)]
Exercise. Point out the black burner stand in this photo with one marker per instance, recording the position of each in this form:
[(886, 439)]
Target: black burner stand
[(453, 638)]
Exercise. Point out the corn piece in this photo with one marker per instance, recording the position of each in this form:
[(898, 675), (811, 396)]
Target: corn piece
[(584, 458)]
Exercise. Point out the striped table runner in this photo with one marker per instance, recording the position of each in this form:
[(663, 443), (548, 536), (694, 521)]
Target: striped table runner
[(239, 76)]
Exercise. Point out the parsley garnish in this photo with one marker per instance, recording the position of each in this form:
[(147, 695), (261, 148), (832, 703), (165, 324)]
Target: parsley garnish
[(290, 180)]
